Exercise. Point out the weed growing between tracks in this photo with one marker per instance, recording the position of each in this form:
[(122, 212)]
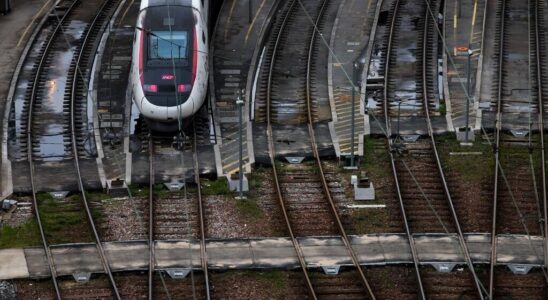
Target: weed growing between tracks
[(277, 279), (376, 163), (24, 235), (217, 187), (268, 284), (249, 208), (64, 221), (470, 167)]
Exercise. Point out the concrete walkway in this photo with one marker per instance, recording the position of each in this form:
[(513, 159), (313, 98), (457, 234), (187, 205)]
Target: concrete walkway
[(236, 47), (440, 250), (463, 28), (349, 39)]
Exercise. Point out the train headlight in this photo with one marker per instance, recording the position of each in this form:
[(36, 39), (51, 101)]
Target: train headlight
[(152, 88), (184, 88)]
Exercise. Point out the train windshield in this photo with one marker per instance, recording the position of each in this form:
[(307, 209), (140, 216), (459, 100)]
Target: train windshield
[(168, 45)]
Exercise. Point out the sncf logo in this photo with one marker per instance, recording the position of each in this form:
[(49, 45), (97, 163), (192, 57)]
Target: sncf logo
[(167, 77)]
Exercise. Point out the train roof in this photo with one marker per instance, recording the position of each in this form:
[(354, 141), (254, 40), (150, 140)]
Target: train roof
[(150, 3)]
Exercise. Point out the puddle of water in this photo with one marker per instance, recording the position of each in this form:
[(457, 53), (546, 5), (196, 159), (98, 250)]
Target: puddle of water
[(51, 143)]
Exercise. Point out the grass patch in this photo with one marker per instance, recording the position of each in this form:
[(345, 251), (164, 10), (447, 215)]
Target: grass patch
[(138, 190), (217, 187), (276, 279), (160, 191), (249, 208), (256, 180), (97, 196), (443, 108), (470, 167), (374, 162), (370, 220), (64, 221), (25, 235)]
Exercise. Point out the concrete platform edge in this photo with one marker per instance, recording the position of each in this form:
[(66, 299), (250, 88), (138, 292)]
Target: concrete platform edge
[(446, 94), (251, 80), (213, 102), (477, 92), (6, 172), (334, 117), (94, 84)]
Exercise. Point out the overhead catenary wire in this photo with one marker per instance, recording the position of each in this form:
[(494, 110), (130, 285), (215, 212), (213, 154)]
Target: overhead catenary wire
[(468, 98)]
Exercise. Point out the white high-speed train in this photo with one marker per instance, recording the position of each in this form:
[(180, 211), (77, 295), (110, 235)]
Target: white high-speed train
[(169, 72)]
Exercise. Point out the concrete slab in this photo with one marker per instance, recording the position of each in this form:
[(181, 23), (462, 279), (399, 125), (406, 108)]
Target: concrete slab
[(70, 259), (463, 27), (349, 40), (273, 253), (128, 255), (284, 257), (236, 45), (324, 251), (229, 254), (37, 263), (177, 254), (13, 264)]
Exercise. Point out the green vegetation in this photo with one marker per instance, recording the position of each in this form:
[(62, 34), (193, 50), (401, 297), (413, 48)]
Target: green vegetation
[(371, 220), (443, 108), (160, 190), (217, 187), (376, 163), (64, 221), (25, 235), (249, 208), (97, 196), (138, 191), (470, 167), (276, 279), (256, 179)]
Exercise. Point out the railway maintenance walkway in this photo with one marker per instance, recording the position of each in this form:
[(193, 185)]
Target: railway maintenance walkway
[(519, 252)]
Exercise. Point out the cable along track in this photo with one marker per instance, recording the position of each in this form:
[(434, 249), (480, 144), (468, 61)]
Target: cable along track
[(519, 191), (316, 212), (422, 190), (66, 14)]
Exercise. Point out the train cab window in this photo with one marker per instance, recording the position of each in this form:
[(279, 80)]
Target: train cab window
[(168, 45), (203, 37)]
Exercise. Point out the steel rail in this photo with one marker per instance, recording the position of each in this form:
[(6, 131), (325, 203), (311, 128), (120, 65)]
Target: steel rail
[(540, 96), (34, 91), (271, 151), (81, 187), (498, 126), (150, 217), (203, 251), (412, 246), (316, 154), (425, 93)]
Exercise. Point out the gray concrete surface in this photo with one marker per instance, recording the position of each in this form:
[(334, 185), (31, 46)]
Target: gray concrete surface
[(15, 30), (348, 41), (463, 28), (236, 45), (373, 249)]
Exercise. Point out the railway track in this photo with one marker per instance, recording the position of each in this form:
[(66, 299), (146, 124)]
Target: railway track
[(540, 90), (519, 195), (176, 217), (73, 107), (302, 190), (425, 200)]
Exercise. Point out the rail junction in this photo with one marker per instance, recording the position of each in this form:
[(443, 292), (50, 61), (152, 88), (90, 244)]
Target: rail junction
[(435, 108)]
